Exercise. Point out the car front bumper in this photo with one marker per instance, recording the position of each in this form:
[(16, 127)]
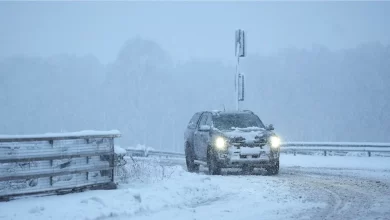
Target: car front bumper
[(248, 156)]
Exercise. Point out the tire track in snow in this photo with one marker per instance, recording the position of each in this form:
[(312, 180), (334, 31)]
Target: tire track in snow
[(344, 196)]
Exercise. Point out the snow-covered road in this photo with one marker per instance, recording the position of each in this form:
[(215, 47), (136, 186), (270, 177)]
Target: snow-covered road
[(306, 188), (297, 193), (344, 194)]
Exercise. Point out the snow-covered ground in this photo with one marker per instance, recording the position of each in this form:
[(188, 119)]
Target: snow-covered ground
[(308, 187), (342, 162)]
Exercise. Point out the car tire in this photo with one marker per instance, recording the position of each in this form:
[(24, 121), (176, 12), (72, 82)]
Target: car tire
[(274, 169), (190, 160), (212, 163)]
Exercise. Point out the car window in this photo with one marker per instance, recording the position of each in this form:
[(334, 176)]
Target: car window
[(205, 120), (209, 120), (231, 121), (194, 120)]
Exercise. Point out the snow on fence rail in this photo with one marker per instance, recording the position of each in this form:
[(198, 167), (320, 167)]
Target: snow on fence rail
[(291, 147), (143, 153), (56, 163)]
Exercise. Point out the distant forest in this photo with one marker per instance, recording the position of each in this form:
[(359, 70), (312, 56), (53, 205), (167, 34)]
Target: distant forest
[(308, 94)]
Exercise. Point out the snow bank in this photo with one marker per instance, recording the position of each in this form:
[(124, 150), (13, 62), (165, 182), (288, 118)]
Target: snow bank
[(158, 191), (119, 150), (180, 190), (148, 170), (167, 193)]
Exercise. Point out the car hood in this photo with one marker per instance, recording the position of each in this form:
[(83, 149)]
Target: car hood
[(247, 135)]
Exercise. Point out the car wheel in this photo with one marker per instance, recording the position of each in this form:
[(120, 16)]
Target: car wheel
[(190, 160), (212, 163), (274, 169)]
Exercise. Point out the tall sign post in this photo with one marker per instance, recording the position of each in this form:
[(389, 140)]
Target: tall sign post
[(239, 78)]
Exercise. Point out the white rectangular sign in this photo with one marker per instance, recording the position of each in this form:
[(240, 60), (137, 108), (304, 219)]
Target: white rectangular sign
[(241, 87), (240, 43)]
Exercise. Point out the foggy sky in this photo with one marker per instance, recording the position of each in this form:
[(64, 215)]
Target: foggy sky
[(188, 29), (331, 84)]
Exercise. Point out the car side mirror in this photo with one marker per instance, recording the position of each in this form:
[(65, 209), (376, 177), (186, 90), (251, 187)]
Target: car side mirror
[(270, 127), (205, 128)]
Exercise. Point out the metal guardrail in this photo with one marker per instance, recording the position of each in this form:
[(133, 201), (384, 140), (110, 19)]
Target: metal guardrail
[(325, 147), (294, 147), (56, 163), (153, 153)]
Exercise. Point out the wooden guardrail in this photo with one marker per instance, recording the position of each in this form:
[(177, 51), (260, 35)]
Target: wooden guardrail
[(56, 163)]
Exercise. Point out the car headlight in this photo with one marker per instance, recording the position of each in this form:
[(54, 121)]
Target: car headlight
[(275, 142), (220, 143)]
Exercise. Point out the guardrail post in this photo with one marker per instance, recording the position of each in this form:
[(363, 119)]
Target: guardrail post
[(325, 153), (369, 153)]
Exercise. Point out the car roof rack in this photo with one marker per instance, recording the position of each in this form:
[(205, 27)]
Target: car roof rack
[(215, 112)]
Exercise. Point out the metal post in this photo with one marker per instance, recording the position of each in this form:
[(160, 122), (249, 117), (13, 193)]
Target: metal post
[(237, 85), (240, 51)]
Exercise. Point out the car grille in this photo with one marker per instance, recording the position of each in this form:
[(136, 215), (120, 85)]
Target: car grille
[(240, 142), (251, 156), (238, 145)]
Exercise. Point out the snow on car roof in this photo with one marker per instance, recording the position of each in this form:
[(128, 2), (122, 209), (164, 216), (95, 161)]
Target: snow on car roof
[(232, 112)]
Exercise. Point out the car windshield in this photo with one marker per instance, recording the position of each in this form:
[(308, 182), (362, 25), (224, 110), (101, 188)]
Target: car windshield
[(231, 121)]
